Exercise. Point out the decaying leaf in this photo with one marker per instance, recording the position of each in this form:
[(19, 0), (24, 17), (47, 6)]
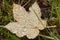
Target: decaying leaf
[(27, 22)]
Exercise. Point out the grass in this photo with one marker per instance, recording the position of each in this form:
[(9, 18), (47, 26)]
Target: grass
[(6, 16)]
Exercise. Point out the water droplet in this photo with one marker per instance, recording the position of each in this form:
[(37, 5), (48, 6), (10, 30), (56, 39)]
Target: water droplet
[(25, 29), (15, 31), (23, 20), (21, 16), (23, 33)]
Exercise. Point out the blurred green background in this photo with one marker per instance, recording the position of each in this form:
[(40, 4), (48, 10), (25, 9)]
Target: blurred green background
[(6, 16)]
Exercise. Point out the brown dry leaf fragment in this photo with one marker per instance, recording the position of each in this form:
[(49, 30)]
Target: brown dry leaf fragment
[(27, 22)]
